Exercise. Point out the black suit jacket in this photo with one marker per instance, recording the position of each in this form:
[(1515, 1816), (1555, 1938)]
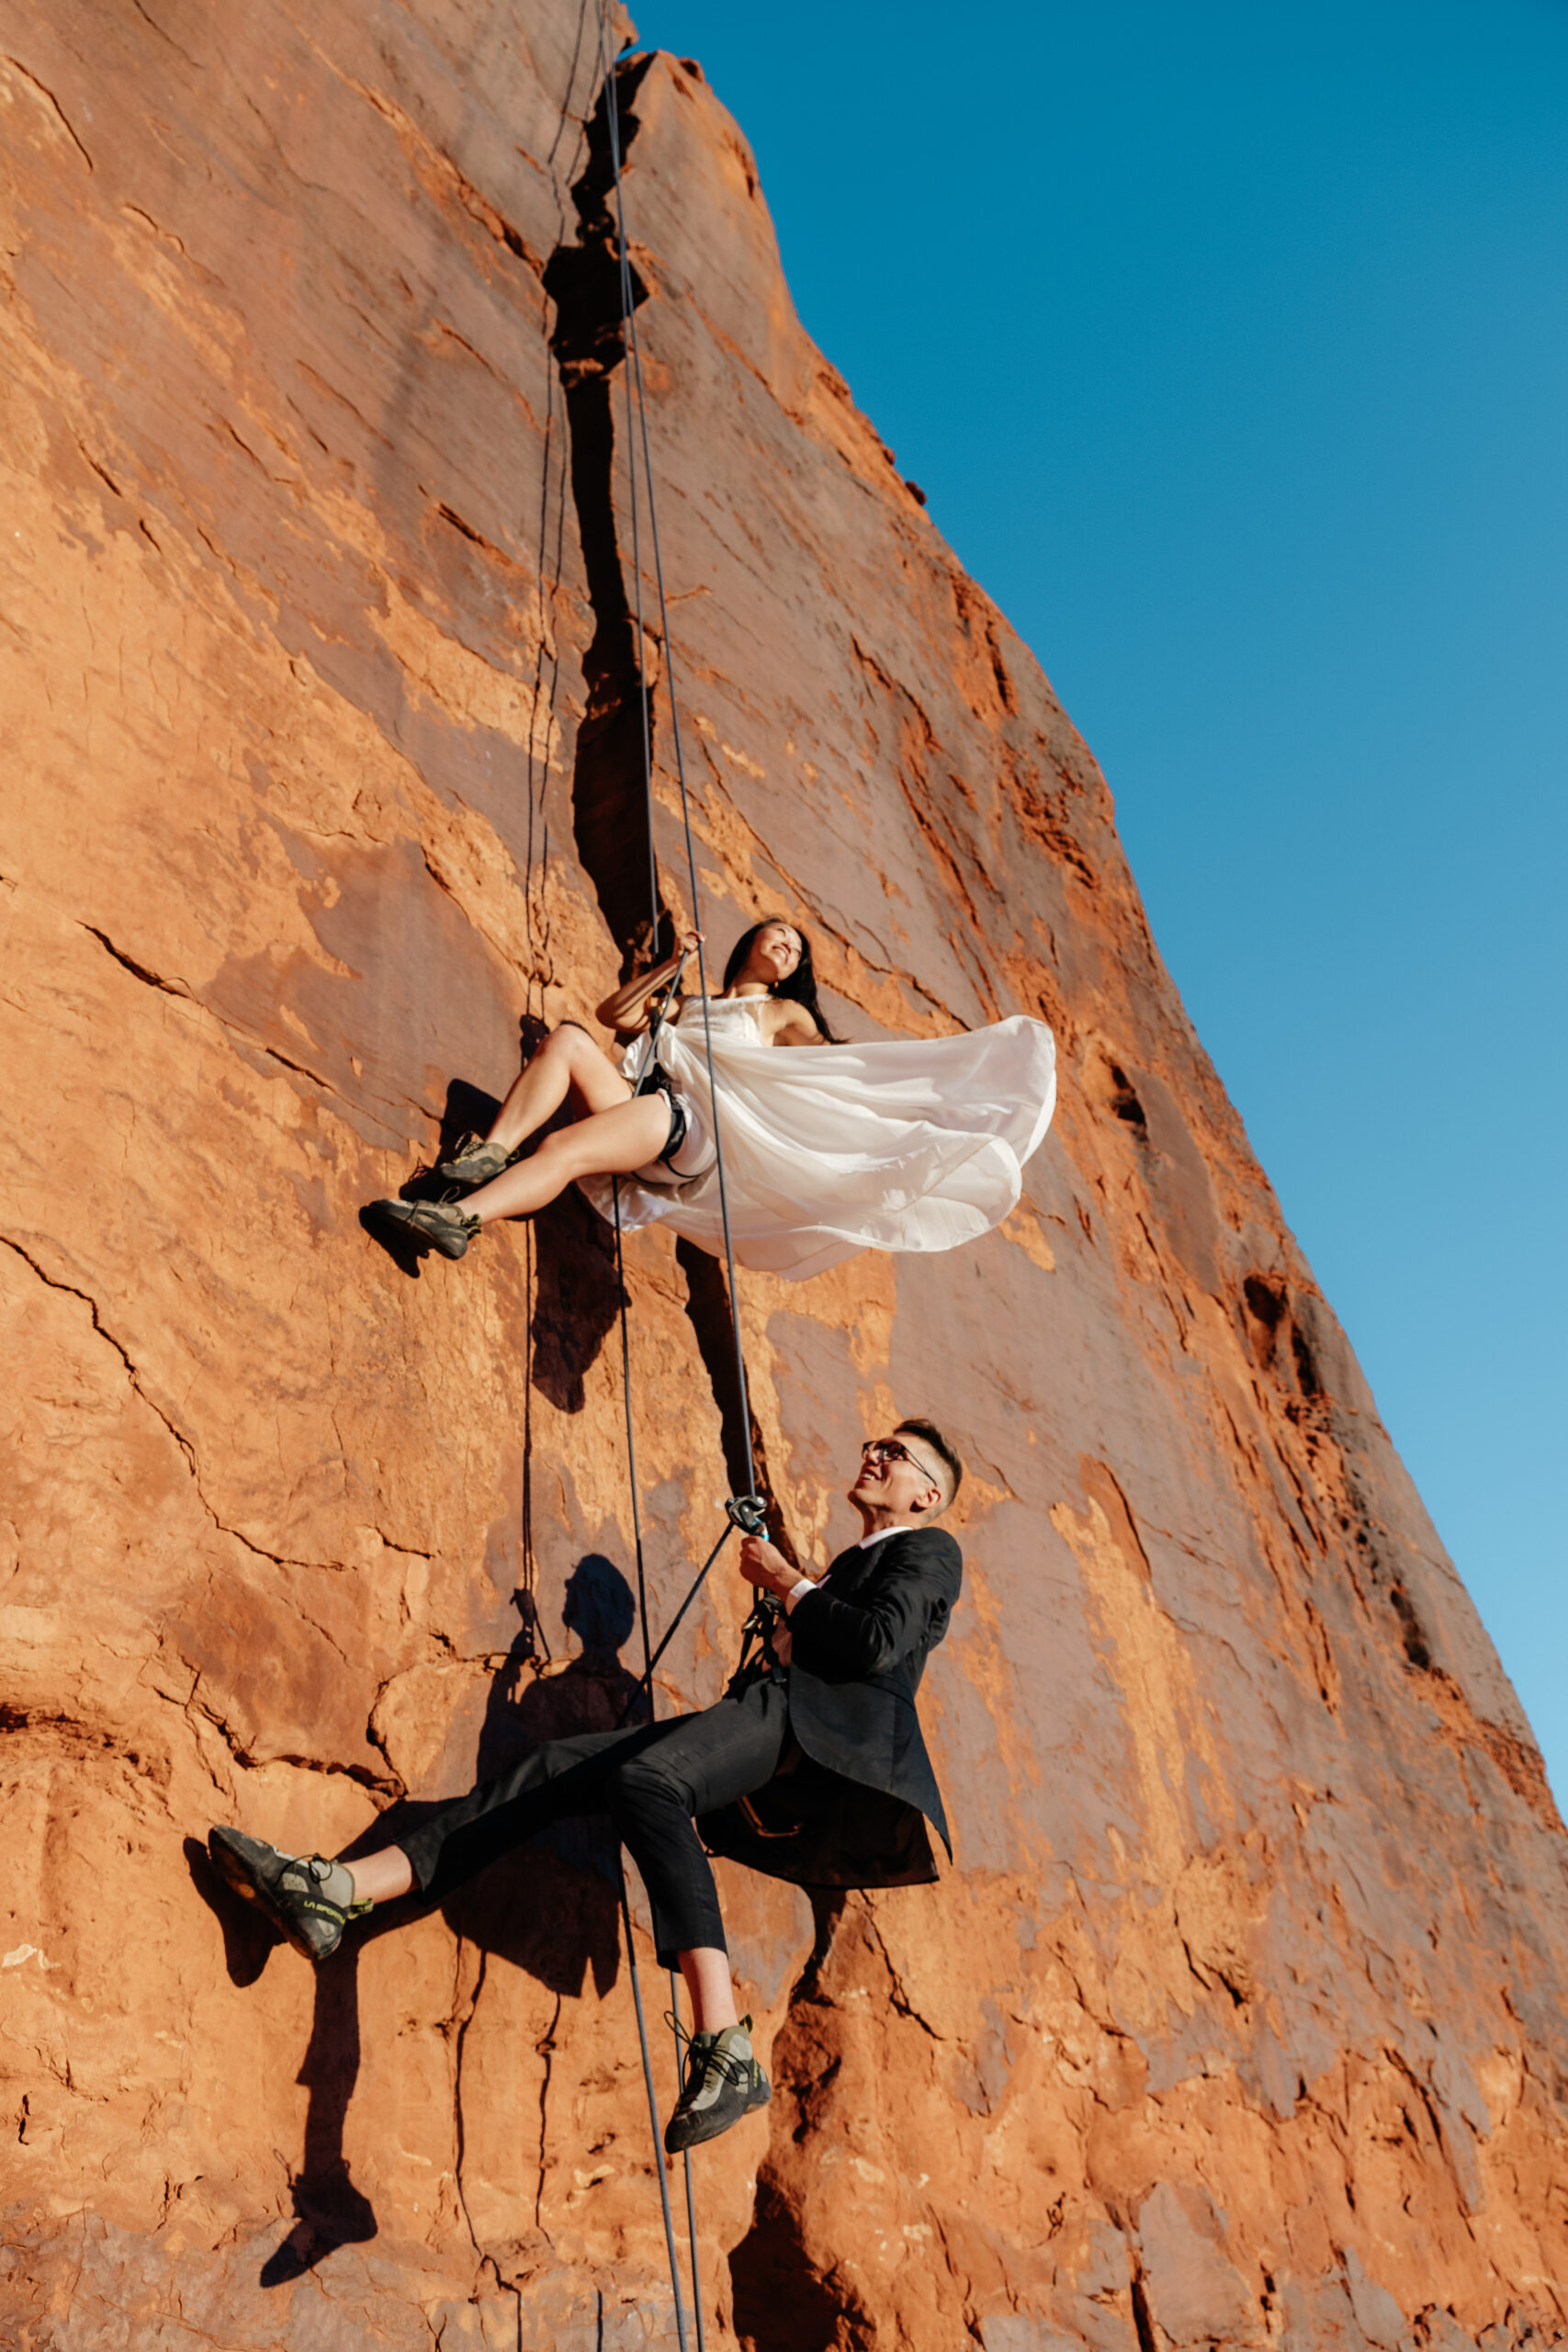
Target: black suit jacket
[(855, 1811)]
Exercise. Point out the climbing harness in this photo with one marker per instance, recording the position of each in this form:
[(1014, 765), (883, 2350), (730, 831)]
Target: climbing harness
[(766, 1611), (746, 1512)]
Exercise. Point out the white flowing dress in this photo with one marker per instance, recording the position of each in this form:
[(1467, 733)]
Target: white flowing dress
[(912, 1144)]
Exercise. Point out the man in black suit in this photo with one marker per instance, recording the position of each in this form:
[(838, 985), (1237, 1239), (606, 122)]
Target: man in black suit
[(811, 1767)]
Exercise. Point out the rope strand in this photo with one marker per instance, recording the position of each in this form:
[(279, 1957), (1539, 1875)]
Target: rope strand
[(653, 2110), (636, 434), (613, 120), (635, 382)]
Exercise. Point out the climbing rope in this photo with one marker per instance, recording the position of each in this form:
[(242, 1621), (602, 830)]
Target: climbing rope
[(634, 380), (743, 1511)]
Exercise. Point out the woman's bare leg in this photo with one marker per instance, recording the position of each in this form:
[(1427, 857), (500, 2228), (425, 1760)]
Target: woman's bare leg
[(568, 1060), (608, 1143)]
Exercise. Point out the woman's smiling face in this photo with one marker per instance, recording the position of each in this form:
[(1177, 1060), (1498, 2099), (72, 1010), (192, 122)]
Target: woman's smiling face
[(776, 951)]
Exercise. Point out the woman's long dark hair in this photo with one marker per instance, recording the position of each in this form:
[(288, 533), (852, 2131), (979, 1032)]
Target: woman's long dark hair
[(800, 986)]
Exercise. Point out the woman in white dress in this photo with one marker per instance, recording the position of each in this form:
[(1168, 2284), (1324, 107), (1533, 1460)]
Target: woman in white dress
[(912, 1144)]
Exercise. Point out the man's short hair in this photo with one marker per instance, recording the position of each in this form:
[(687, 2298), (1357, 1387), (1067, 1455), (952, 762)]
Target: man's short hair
[(933, 1438)]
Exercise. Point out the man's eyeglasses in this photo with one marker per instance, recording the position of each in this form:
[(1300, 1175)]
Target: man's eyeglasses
[(892, 1448)]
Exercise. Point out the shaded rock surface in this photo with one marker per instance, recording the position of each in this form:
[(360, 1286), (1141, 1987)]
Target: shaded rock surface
[(1239, 2019)]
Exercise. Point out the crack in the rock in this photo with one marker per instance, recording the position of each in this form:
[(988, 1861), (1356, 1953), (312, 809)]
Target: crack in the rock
[(610, 816), (168, 235), (341, 400), (609, 794), (546, 2048), (538, 969), (165, 35), (910, 773), (458, 2029), (378, 1784), (247, 1039), (1142, 2320), (278, 480), (278, 1559), (895, 1991), (100, 469), (449, 514), (140, 971), (373, 1737), (44, 91), (414, 142)]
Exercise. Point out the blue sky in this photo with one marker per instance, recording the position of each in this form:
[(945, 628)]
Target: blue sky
[(1231, 345)]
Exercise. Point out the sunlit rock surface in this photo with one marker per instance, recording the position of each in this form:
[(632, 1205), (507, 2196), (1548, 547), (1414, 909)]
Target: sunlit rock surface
[(1239, 2018)]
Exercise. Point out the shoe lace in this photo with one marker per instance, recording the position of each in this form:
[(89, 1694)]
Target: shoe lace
[(696, 2063), (450, 1205)]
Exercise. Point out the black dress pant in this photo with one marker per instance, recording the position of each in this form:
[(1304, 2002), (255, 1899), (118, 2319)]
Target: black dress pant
[(650, 1782)]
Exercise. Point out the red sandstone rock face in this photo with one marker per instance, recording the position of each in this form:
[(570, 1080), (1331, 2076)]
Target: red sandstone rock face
[(1239, 2019)]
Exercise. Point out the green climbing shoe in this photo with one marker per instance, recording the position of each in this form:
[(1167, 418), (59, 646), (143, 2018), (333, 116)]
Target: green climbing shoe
[(723, 2083), (435, 1223), (292, 1889), (474, 1162)]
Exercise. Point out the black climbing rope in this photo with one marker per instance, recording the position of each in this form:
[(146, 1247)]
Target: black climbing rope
[(645, 1693), (634, 383), (743, 1511)]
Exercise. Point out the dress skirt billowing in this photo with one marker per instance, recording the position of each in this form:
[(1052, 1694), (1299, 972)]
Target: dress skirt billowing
[(912, 1144)]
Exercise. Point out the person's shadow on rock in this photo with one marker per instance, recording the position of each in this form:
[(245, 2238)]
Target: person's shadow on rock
[(577, 1297), (329, 2210), (552, 1908), (468, 1111)]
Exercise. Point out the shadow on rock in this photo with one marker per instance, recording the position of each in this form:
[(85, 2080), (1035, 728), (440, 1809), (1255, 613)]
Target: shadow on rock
[(249, 1939), (329, 2210), (780, 2305), (468, 1111), (577, 1297), (551, 1908), (576, 1301)]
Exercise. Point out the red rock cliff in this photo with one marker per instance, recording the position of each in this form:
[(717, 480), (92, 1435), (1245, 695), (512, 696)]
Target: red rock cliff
[(1239, 2019)]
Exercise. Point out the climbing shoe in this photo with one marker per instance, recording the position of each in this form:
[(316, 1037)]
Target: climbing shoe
[(474, 1162), (723, 2083), (310, 1899), (433, 1221)]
